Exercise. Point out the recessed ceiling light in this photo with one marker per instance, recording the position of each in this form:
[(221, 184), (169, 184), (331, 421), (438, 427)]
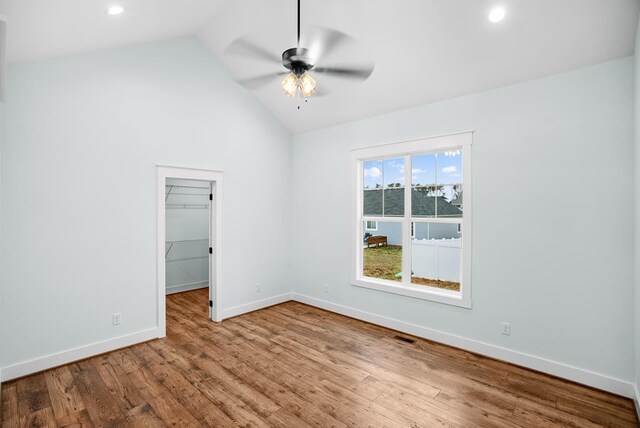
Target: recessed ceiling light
[(115, 10), (497, 15)]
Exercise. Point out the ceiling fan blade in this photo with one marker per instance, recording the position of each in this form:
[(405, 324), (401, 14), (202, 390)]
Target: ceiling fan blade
[(246, 48), (328, 41), (321, 91), (258, 82), (359, 73)]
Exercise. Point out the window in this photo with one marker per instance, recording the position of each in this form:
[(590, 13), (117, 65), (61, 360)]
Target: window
[(411, 194)]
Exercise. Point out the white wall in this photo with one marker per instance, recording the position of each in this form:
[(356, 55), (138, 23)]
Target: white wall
[(81, 140), (637, 213), (562, 149)]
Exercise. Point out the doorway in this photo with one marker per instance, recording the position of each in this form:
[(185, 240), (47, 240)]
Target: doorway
[(189, 236)]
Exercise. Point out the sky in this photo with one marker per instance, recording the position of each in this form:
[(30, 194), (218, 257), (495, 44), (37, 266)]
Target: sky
[(428, 168)]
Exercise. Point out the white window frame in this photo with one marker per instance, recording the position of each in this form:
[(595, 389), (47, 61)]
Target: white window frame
[(371, 229), (407, 149)]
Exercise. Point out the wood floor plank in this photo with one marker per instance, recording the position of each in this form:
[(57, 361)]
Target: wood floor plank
[(81, 419), (390, 416), (117, 381), (165, 405), (95, 395), (534, 415), (184, 389), (596, 413), (283, 418), (33, 395), (143, 416), (10, 413), (294, 365), (41, 418), (260, 371), (64, 394)]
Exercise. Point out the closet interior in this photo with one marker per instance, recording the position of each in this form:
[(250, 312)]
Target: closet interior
[(188, 204)]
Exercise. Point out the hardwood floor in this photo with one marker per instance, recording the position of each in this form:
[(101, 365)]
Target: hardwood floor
[(296, 366)]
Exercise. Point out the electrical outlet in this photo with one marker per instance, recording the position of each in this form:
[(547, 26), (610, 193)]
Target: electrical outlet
[(506, 328), (326, 288), (117, 318), (257, 287)]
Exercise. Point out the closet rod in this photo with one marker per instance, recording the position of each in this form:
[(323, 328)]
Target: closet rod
[(188, 187), (187, 194)]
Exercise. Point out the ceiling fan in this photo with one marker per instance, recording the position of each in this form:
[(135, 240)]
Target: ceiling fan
[(297, 63)]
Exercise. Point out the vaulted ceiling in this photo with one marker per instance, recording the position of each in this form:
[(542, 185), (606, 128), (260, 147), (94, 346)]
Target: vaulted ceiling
[(424, 50)]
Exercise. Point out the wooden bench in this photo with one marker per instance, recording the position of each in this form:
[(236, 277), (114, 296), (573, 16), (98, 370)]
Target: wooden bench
[(377, 241)]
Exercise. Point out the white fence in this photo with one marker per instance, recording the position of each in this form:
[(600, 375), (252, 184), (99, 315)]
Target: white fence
[(436, 259)]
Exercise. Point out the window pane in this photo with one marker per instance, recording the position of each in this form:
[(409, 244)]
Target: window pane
[(394, 187), (449, 178), (423, 185), (437, 255), (372, 182), (383, 187), (450, 203), (382, 252)]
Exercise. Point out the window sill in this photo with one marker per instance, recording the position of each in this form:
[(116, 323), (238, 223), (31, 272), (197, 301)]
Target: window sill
[(448, 298)]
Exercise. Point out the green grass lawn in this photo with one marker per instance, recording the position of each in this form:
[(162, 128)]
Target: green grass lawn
[(383, 262), (386, 263)]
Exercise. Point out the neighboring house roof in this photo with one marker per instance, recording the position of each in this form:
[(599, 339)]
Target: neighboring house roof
[(423, 205), (457, 201)]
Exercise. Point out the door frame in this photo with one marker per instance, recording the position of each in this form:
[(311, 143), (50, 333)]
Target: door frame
[(215, 261)]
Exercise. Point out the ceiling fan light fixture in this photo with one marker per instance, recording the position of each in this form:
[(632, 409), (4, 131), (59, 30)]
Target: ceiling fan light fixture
[(301, 62), (290, 85), (307, 85)]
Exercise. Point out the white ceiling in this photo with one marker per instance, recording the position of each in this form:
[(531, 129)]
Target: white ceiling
[(46, 28), (424, 50)]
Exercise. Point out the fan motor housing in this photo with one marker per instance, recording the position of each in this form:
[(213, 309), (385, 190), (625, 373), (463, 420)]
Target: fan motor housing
[(297, 60)]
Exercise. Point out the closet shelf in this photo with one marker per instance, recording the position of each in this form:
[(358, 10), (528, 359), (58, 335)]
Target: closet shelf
[(170, 244), (186, 258), (187, 241), (187, 206), (171, 187)]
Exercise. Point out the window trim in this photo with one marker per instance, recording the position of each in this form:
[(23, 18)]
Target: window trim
[(406, 149), (375, 229)]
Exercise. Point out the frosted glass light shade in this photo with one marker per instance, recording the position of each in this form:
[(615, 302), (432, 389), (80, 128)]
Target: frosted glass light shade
[(290, 85), (307, 85)]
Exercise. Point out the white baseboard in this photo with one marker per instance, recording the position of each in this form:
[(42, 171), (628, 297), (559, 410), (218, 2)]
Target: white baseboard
[(636, 400), (186, 287), (254, 306), (65, 357), (585, 377)]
